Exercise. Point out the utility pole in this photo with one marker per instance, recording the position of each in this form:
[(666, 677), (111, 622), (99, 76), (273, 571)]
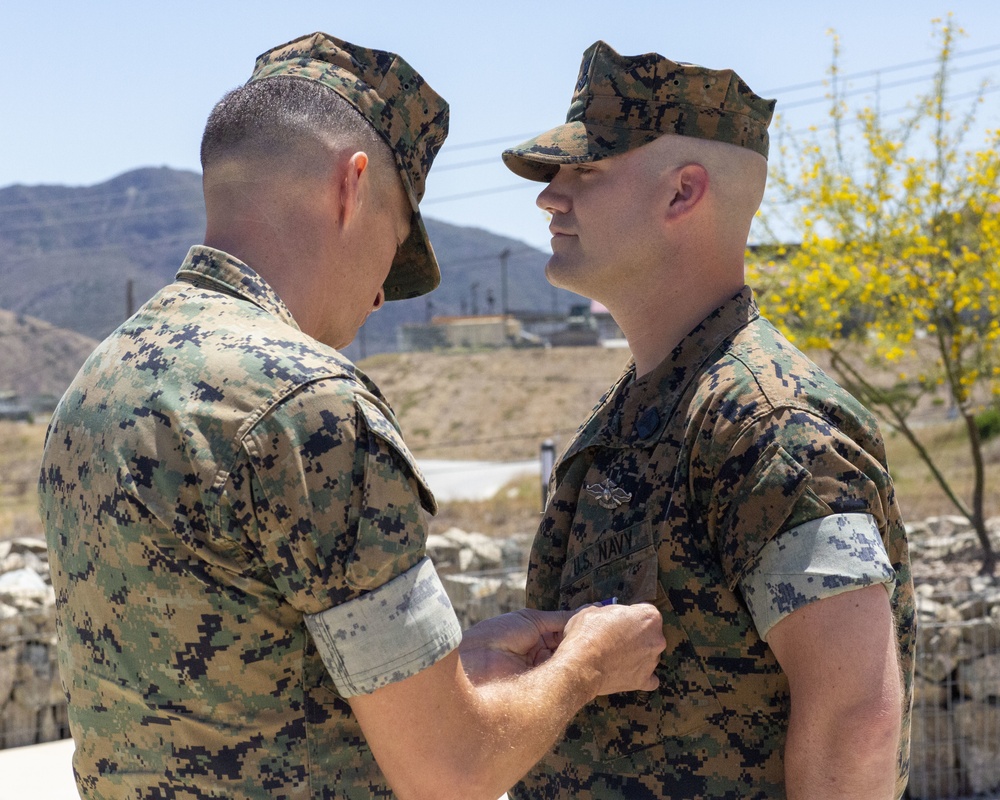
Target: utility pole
[(129, 297), (504, 255), (547, 460)]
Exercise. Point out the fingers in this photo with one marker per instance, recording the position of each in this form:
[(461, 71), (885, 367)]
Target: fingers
[(621, 643), (646, 646), (547, 622), (551, 639), (541, 656)]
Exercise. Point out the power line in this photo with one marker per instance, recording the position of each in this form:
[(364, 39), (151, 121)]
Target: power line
[(883, 87), (480, 193), (479, 162), (166, 240), (879, 71), (123, 216), (514, 138), (532, 185), (899, 110), (523, 250), (117, 249), (131, 214), (143, 194)]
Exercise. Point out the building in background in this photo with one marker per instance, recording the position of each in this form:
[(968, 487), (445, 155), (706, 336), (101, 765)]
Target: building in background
[(586, 325)]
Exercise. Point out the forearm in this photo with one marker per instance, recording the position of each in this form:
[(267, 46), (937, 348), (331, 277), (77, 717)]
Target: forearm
[(529, 710), (476, 746), (523, 717), (508, 645)]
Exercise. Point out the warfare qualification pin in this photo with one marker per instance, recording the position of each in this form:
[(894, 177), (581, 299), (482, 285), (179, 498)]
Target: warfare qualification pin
[(608, 494)]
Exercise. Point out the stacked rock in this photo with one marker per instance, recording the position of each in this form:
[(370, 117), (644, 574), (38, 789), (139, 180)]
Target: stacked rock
[(32, 703)]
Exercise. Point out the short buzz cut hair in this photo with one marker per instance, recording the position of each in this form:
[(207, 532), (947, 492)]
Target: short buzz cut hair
[(286, 117)]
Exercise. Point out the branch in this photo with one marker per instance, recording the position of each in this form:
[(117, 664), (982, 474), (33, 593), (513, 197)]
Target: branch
[(879, 397)]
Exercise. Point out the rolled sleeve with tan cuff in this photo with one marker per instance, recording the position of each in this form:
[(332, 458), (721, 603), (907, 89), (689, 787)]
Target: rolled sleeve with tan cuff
[(388, 634), (813, 561)]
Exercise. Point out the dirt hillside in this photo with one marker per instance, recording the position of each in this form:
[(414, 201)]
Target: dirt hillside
[(496, 405), (37, 358)]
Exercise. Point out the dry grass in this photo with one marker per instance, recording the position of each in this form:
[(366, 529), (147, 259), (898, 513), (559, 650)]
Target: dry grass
[(514, 509), (20, 452), (493, 405), (919, 494)]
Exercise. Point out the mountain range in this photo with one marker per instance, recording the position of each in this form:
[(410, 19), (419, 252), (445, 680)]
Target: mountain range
[(81, 258)]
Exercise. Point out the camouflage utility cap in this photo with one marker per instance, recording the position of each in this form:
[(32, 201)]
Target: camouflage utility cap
[(407, 113), (624, 102)]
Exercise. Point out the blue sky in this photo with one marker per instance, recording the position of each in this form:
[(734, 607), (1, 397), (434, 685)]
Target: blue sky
[(94, 89)]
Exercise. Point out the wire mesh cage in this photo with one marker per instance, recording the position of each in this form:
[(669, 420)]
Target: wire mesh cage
[(955, 746), (32, 703)]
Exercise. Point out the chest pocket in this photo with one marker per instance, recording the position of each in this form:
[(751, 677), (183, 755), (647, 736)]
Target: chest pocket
[(631, 725), (620, 564)]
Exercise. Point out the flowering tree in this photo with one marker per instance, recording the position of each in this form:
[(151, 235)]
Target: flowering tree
[(899, 264)]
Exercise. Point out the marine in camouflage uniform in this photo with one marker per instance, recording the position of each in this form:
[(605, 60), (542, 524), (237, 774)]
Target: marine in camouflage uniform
[(215, 482), (236, 477), (731, 485)]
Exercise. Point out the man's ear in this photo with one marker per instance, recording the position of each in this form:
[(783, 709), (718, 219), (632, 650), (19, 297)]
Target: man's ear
[(350, 180), (687, 186)]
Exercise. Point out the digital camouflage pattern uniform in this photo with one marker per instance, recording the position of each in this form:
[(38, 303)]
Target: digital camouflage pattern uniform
[(236, 534), (733, 484), (213, 480), (668, 494)]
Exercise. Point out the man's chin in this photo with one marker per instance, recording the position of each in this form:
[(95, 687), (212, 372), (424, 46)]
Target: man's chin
[(560, 273), (341, 341)]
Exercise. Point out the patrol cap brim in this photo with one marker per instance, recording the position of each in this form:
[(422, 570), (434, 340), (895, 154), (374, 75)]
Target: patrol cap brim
[(414, 270), (576, 142)]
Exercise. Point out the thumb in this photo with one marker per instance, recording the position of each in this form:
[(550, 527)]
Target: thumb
[(549, 621)]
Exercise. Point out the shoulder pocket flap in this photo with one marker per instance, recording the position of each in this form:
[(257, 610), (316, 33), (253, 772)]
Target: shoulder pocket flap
[(385, 430), (758, 509)]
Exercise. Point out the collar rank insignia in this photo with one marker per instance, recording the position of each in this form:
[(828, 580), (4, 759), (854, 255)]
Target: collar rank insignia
[(608, 494)]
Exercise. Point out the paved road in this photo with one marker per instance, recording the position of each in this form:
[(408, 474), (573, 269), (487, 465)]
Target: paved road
[(472, 480), (38, 772)]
